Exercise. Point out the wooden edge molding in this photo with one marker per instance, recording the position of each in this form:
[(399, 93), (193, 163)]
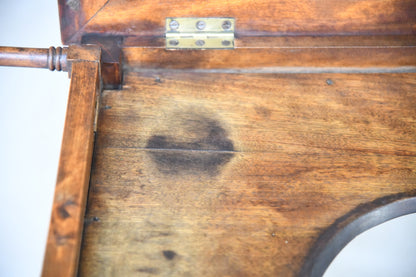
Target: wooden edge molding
[(291, 41), (67, 219), (260, 59), (346, 228)]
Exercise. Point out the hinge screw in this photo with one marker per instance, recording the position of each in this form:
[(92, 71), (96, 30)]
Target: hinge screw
[(226, 43), (200, 42), (173, 42), (226, 25), (174, 25), (200, 25)]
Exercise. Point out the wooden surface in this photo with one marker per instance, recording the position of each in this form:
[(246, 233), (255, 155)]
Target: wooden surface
[(300, 59), (240, 163), (295, 41), (215, 174), (258, 18), (65, 231), (111, 60), (74, 14)]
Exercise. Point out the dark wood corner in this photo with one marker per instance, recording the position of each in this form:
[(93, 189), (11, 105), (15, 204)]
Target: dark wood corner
[(111, 58)]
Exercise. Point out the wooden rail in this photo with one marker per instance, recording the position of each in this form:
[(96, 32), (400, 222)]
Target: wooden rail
[(67, 219), (83, 64), (52, 58)]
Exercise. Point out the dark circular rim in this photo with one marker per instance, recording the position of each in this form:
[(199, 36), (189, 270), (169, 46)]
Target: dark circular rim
[(347, 227)]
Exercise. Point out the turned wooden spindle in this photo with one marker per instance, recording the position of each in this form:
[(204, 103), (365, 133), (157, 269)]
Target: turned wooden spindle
[(52, 58)]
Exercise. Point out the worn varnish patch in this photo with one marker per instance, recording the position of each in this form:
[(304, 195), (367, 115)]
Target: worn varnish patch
[(190, 143)]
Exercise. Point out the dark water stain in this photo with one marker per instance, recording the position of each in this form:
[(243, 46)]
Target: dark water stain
[(169, 254), (204, 150)]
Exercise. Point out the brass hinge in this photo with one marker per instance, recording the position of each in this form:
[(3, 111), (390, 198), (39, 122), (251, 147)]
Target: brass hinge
[(200, 33)]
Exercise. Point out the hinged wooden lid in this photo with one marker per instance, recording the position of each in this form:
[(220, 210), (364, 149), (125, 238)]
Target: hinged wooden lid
[(143, 22)]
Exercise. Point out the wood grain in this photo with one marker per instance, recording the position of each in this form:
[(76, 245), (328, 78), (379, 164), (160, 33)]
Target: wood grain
[(294, 41), (270, 59), (65, 231), (256, 18), (74, 14), (205, 174), (200, 170), (111, 60)]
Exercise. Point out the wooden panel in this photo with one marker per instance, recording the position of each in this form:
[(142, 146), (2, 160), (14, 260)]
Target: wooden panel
[(74, 14), (65, 231), (295, 41), (255, 17), (300, 59), (204, 174)]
